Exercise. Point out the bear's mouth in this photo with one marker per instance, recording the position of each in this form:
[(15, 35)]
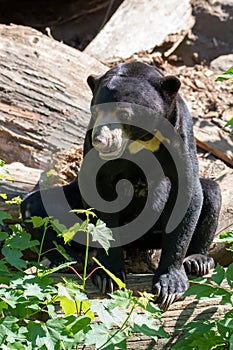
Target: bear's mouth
[(115, 153), (111, 155), (109, 141)]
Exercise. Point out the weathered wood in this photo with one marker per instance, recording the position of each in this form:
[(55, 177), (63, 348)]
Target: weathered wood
[(140, 26), (175, 317), (214, 140), (44, 98), (24, 181)]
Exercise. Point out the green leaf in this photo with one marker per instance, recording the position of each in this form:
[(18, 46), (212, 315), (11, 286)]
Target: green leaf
[(218, 274), (17, 346), (3, 306), (116, 339), (231, 342), (229, 123), (3, 269), (229, 275), (68, 306), (76, 324), (69, 233), (13, 257), (97, 335), (57, 268), (113, 277), (104, 313), (71, 290), (33, 289), (3, 236), (225, 237), (3, 195), (70, 297), (120, 298), (225, 327), (4, 216), (37, 221), (41, 338), (87, 212), (57, 226), (146, 324), (22, 241), (15, 200), (62, 251), (226, 75), (197, 335), (8, 328), (101, 234)]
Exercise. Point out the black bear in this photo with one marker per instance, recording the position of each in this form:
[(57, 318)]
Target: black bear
[(140, 173)]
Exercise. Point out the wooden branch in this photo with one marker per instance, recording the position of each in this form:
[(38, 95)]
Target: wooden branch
[(214, 140)]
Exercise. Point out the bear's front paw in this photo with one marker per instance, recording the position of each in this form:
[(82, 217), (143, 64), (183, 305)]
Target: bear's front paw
[(169, 287), (105, 282), (198, 264)]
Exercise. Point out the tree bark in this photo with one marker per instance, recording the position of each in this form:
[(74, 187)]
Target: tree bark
[(44, 98)]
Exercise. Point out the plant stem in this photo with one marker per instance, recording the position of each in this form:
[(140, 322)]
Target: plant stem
[(42, 243), (86, 254), (121, 327), (86, 260)]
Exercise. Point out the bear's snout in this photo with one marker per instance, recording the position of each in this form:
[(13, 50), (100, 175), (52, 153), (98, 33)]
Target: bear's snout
[(108, 142), (102, 138)]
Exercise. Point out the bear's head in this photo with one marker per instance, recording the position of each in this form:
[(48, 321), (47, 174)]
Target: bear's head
[(116, 116)]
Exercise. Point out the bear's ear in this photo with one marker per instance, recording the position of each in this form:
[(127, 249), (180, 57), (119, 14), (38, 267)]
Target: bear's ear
[(170, 85), (92, 81)]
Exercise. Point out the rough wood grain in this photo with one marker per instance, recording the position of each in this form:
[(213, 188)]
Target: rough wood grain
[(44, 98), (214, 140)]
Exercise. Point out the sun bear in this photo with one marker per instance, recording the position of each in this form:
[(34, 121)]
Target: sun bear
[(140, 173)]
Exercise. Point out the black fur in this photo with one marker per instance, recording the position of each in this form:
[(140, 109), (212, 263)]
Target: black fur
[(186, 246)]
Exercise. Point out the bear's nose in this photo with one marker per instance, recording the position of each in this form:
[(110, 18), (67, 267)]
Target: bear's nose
[(102, 138), (100, 141)]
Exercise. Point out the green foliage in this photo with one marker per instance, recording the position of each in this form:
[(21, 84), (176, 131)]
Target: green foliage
[(229, 123), (29, 302), (4, 174), (215, 333), (226, 75), (226, 238), (222, 77)]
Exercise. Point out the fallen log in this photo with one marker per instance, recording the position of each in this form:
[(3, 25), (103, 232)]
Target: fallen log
[(214, 140), (44, 98)]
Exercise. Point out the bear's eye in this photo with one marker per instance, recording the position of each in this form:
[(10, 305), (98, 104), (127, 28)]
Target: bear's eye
[(124, 115)]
